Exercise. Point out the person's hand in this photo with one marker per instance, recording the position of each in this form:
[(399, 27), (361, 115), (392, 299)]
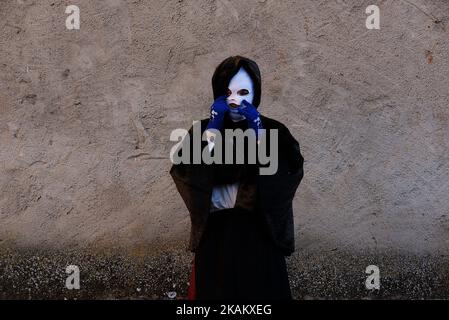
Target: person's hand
[(252, 116), (217, 112)]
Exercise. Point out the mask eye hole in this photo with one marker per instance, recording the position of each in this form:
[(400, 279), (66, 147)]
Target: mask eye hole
[(243, 92), (228, 93)]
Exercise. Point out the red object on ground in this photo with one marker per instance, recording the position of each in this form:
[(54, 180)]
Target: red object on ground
[(191, 293)]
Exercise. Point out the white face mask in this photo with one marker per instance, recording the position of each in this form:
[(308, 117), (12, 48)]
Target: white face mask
[(240, 88)]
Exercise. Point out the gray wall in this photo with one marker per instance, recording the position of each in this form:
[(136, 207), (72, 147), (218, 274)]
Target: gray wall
[(86, 117)]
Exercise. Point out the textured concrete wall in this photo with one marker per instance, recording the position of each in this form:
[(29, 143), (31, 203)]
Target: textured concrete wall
[(86, 116)]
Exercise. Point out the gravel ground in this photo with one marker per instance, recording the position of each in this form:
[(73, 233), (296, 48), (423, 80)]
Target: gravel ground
[(41, 275)]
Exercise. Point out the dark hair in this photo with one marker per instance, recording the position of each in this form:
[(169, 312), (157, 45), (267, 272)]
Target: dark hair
[(228, 68)]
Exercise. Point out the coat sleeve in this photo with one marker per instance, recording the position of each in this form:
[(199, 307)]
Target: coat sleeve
[(292, 167), (194, 184), (276, 192)]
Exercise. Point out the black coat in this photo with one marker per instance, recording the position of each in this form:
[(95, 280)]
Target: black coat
[(274, 193)]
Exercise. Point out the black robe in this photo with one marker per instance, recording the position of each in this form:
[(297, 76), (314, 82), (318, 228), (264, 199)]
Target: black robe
[(237, 234)]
